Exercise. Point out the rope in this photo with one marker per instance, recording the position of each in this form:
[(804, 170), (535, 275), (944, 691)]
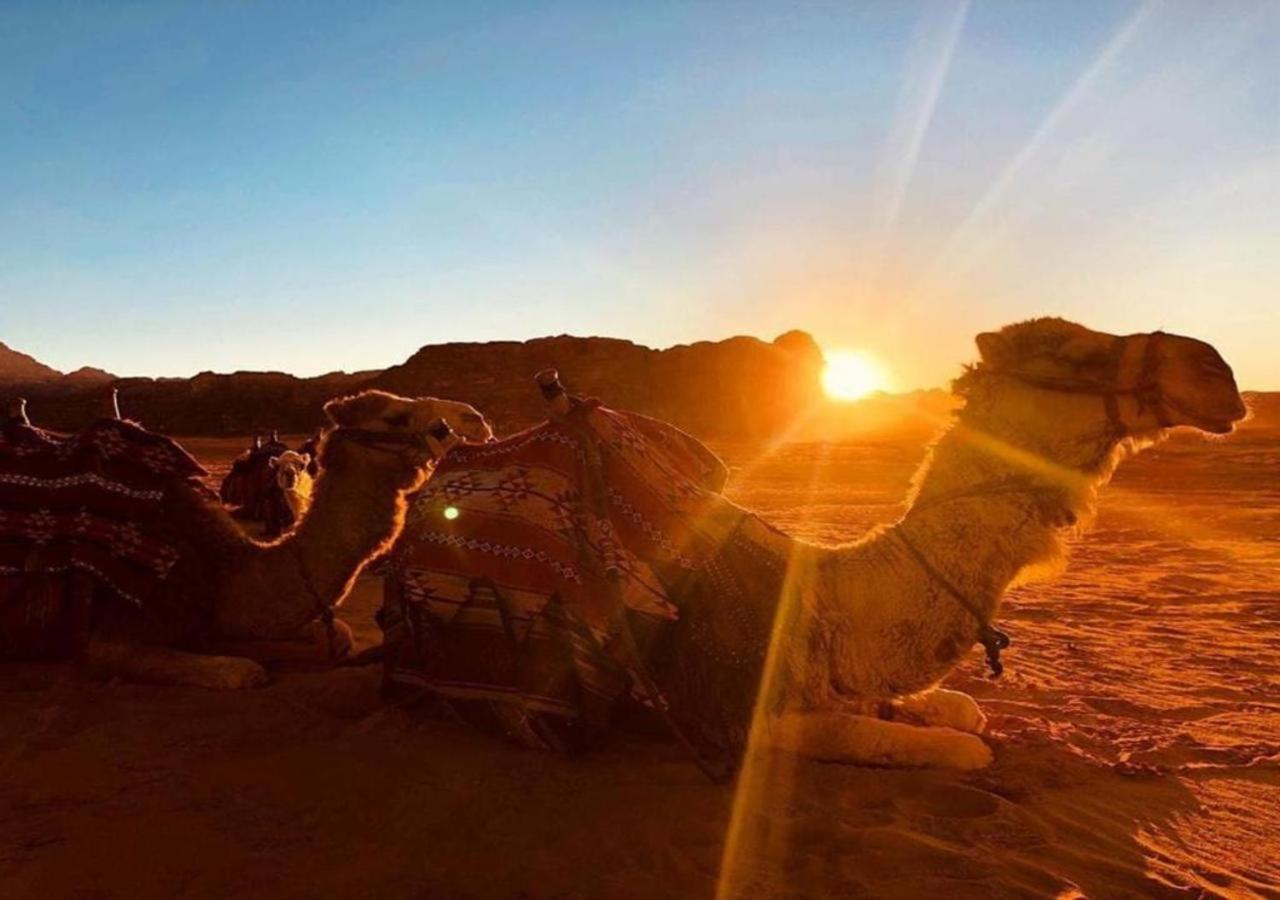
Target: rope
[(992, 639)]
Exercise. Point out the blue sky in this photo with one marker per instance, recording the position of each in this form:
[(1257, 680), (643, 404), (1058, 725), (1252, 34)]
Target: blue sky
[(316, 186)]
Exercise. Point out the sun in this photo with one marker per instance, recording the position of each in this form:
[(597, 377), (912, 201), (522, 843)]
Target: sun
[(852, 374)]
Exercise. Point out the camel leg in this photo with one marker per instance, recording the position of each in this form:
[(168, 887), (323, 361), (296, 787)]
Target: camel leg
[(834, 736), (160, 665), (951, 709), (315, 646)]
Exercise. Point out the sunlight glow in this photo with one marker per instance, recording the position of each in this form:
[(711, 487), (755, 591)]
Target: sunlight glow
[(852, 374)]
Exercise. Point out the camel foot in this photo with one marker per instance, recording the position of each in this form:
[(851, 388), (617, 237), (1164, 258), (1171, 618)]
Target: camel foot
[(314, 647), (863, 740), (160, 665), (949, 709)]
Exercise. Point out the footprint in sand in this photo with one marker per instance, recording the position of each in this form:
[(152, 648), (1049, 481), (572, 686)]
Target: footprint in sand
[(953, 802)]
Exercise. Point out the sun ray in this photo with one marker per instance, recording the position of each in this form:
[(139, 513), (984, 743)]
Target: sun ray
[(761, 768), (917, 101), (955, 245)]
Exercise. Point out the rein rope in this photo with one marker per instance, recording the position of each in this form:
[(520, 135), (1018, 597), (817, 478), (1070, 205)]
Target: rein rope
[(396, 442), (324, 607), (992, 639), (1147, 394)]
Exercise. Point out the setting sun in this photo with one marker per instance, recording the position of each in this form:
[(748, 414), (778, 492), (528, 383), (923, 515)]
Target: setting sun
[(852, 374)]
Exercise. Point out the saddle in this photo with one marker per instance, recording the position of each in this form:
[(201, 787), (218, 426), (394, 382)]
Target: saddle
[(78, 511), (536, 574)]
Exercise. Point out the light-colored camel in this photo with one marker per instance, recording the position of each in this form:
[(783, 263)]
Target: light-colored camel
[(864, 632), (248, 600), (294, 481)]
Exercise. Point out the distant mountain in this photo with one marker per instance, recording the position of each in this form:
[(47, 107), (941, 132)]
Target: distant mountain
[(17, 368), (742, 386), (88, 375), (208, 404), (1264, 410)]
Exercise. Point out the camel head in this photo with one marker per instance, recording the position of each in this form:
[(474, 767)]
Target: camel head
[(291, 468), (1060, 386), (406, 451)]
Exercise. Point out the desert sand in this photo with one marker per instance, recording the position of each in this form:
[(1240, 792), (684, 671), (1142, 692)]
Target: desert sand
[(1136, 736)]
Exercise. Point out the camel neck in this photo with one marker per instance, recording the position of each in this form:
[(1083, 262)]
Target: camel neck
[(274, 589), (981, 523), (350, 520)]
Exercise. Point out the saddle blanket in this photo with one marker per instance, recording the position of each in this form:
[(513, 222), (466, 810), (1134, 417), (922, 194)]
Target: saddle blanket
[(89, 503), (533, 571)]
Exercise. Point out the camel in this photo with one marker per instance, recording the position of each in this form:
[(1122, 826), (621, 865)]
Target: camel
[(235, 600), (249, 485), (836, 652), (865, 632), (294, 480)]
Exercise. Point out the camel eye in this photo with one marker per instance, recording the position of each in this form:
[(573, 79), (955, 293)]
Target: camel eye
[(399, 420)]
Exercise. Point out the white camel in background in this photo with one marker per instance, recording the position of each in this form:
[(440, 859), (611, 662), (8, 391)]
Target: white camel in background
[(294, 481)]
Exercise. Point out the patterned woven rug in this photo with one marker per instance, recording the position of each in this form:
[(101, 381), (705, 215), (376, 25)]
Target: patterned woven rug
[(88, 503), (534, 573)]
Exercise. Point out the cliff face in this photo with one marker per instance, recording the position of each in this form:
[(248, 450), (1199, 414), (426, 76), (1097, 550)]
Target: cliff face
[(741, 387), (208, 404)]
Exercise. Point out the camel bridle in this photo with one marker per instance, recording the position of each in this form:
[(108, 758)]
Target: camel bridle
[(1145, 389), (397, 442), (1148, 396)]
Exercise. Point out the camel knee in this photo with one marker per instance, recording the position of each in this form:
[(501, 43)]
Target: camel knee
[(949, 709)]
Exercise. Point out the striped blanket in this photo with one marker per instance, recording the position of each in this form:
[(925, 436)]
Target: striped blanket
[(534, 573), (88, 503)]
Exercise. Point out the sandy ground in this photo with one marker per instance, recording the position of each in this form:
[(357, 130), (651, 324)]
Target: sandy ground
[(1137, 740)]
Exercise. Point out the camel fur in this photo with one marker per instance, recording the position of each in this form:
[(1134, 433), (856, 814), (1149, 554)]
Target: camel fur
[(293, 478), (231, 600), (861, 634)]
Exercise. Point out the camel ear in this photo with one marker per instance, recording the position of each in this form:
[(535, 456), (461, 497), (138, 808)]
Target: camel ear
[(350, 412), (994, 348)]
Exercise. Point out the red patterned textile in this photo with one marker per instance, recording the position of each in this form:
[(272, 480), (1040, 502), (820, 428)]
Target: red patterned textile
[(91, 503), (521, 559)]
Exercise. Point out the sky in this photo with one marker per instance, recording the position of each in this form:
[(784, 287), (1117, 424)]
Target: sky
[(317, 186)]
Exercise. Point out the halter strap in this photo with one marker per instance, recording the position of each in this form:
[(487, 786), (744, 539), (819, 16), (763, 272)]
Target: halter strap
[(1145, 389), (992, 639)]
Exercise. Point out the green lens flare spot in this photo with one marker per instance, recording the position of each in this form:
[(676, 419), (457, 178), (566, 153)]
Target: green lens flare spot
[(451, 512)]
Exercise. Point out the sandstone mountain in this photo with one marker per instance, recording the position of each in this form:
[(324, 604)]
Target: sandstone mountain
[(19, 368), (740, 387)]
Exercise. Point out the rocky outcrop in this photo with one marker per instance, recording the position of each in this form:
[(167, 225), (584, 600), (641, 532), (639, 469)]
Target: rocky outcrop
[(19, 368), (739, 387), (208, 404)]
